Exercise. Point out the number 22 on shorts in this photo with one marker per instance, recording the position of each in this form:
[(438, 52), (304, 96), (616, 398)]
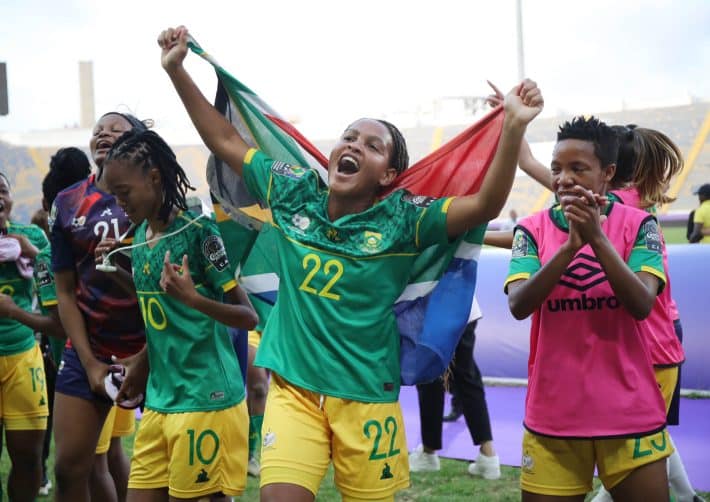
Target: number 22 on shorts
[(390, 428)]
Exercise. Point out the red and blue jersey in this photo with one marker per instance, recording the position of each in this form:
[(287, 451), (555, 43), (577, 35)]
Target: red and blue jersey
[(81, 217)]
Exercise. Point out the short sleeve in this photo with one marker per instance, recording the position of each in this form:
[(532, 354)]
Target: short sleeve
[(524, 261), (62, 254), (214, 263), (430, 215), (44, 280), (647, 253), (38, 238)]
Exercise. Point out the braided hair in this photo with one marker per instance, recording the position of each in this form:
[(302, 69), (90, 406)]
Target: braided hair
[(145, 149), (135, 123), (66, 167), (400, 157)]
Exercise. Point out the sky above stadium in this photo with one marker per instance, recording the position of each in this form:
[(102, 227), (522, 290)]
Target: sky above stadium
[(329, 62)]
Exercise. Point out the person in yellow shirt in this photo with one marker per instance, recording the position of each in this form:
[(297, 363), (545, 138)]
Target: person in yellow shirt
[(701, 220)]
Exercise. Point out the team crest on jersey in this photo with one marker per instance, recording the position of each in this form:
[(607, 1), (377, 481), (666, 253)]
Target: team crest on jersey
[(213, 249), (78, 223), (301, 222), (44, 278), (520, 244), (652, 236), (284, 169), (372, 241), (418, 200)]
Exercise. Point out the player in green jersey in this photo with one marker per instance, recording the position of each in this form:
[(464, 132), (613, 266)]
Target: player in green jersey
[(23, 396), (332, 341), (192, 441)]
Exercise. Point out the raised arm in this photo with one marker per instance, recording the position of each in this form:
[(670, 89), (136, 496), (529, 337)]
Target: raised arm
[(521, 105), (526, 161), (533, 167), (217, 133)]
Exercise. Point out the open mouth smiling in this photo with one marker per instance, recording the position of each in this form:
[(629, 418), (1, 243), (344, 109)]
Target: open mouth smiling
[(348, 165)]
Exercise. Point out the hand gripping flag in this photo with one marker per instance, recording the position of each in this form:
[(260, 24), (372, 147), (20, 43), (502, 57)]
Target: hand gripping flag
[(434, 308)]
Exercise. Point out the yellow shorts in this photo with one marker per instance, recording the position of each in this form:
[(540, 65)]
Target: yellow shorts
[(119, 422), (303, 431), (192, 454), (667, 378), (254, 339), (23, 394), (565, 467)]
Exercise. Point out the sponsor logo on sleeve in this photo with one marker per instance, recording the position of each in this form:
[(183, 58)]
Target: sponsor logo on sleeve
[(520, 244), (419, 200), (44, 278), (652, 236), (213, 249), (284, 169)]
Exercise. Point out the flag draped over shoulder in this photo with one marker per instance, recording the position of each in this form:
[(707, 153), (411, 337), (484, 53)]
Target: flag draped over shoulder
[(434, 308)]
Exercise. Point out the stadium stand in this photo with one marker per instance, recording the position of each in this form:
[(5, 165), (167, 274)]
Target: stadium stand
[(25, 159)]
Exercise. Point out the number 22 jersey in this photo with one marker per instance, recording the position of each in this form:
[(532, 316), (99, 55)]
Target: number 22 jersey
[(333, 330)]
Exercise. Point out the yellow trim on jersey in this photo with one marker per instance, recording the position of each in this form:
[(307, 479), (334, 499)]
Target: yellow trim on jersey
[(249, 155), (220, 214), (516, 277), (229, 285), (189, 221), (445, 206), (653, 271), (339, 254), (50, 303)]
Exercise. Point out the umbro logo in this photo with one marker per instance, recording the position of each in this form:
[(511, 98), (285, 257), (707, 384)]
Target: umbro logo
[(584, 274)]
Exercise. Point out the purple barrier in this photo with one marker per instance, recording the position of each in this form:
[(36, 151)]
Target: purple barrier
[(502, 343)]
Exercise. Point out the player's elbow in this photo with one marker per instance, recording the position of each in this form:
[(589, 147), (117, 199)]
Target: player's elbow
[(641, 311), (251, 321), (517, 307)]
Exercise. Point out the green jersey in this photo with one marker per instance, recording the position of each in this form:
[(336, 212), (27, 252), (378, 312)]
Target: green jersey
[(15, 337), (525, 261), (47, 295), (333, 330), (193, 366)]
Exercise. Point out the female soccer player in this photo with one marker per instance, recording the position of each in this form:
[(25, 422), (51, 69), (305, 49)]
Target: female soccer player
[(331, 341), (23, 396), (192, 441), (99, 313), (647, 162), (587, 283)]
